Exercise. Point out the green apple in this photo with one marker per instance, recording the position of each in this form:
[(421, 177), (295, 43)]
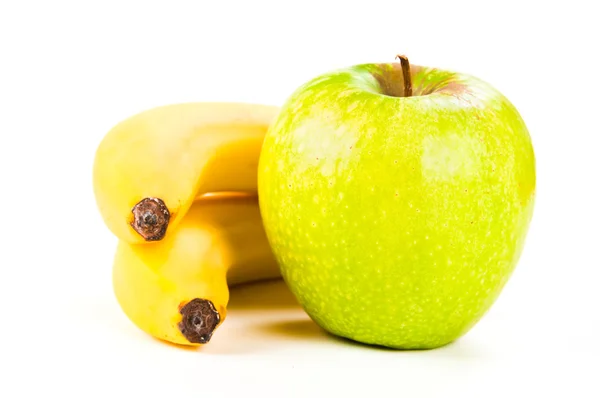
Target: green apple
[(397, 218)]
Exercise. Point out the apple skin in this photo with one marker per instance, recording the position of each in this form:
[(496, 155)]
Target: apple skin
[(397, 221)]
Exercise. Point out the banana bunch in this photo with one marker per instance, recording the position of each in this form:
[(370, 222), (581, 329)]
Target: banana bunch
[(177, 185)]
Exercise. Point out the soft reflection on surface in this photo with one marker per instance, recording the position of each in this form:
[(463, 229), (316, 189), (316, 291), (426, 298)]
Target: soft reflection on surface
[(303, 329), (272, 294), (264, 318)]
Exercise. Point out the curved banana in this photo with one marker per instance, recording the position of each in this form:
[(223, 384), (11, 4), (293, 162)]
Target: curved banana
[(149, 168), (177, 289)]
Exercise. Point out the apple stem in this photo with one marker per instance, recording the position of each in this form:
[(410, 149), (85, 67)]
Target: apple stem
[(406, 74)]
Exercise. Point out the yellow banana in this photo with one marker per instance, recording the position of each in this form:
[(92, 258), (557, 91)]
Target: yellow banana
[(177, 289), (149, 168)]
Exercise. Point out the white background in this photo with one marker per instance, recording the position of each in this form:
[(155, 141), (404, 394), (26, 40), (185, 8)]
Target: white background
[(70, 70)]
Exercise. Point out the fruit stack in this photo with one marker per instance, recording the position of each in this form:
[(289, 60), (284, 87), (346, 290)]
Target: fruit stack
[(177, 185), (394, 200)]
